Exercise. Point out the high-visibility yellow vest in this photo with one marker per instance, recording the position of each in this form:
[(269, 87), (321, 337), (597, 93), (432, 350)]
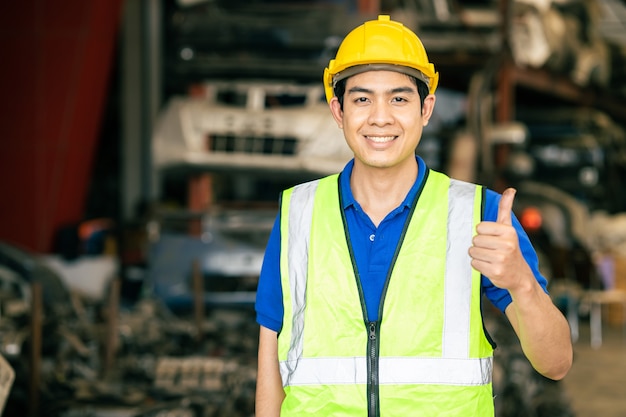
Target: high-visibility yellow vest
[(427, 355)]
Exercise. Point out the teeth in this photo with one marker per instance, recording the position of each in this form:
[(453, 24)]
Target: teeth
[(381, 139)]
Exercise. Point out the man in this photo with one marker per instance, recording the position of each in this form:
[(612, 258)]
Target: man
[(369, 298)]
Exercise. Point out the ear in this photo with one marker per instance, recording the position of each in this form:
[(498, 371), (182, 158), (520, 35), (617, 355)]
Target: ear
[(427, 109), (335, 109)]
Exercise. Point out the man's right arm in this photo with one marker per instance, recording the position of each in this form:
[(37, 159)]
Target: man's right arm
[(269, 387)]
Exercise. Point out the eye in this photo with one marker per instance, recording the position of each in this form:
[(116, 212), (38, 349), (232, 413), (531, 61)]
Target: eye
[(361, 100), (399, 99)]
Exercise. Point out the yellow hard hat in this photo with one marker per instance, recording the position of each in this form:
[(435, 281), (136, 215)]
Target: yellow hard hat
[(381, 44)]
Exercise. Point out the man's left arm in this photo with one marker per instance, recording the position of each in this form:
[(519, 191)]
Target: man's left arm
[(542, 329)]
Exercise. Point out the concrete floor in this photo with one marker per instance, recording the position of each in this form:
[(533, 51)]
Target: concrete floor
[(596, 383)]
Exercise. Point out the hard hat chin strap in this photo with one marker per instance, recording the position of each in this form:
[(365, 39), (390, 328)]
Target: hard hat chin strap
[(357, 69)]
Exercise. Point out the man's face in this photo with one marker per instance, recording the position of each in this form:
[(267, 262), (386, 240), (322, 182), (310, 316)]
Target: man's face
[(382, 118)]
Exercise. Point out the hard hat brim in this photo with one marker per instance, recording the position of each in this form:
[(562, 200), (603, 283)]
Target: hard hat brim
[(357, 69)]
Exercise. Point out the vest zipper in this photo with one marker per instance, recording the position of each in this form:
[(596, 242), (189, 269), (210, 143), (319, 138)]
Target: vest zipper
[(372, 327), (373, 408)]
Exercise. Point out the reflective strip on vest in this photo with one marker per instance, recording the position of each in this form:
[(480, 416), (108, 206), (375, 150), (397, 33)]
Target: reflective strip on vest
[(455, 367), (457, 304), (397, 370), (300, 215)]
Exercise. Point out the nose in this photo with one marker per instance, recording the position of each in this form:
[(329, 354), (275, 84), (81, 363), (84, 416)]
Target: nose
[(380, 113)]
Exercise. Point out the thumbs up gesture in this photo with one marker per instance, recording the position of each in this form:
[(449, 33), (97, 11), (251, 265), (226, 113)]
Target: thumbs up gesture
[(495, 251)]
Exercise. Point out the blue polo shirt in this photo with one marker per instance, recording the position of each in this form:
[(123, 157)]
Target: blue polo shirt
[(373, 251)]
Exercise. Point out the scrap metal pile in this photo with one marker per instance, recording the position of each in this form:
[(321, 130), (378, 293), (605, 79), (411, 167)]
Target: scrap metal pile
[(142, 360), (138, 360), (581, 39), (160, 368)]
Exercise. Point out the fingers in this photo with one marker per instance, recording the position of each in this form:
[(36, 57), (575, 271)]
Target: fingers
[(505, 206)]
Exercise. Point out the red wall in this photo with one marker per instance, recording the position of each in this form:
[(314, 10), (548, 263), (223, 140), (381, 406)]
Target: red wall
[(56, 62)]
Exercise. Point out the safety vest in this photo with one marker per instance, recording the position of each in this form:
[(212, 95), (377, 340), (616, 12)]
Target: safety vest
[(427, 355)]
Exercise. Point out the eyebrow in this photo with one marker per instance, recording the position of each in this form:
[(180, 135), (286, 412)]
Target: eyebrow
[(392, 91)]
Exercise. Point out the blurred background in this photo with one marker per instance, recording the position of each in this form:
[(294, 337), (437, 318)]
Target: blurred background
[(145, 143)]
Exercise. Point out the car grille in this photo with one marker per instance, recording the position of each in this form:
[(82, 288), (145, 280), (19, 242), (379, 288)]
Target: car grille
[(250, 144)]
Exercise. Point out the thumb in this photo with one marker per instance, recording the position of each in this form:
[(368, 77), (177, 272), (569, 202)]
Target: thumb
[(505, 206)]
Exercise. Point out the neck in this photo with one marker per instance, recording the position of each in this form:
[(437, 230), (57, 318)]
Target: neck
[(381, 190)]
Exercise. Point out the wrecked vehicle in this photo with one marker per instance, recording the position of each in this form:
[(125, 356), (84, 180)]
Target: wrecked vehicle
[(249, 140), (250, 126)]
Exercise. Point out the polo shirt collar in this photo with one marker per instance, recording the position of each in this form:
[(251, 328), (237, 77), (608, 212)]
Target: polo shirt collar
[(348, 197)]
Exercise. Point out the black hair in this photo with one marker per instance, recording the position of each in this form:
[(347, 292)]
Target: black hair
[(422, 89)]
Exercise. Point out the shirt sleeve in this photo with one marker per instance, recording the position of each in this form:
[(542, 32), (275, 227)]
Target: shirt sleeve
[(269, 295), (500, 297)]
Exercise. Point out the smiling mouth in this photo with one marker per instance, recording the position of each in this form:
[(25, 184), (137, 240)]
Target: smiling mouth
[(381, 139)]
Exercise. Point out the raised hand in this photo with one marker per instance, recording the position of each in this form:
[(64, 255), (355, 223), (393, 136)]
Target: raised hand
[(495, 252)]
